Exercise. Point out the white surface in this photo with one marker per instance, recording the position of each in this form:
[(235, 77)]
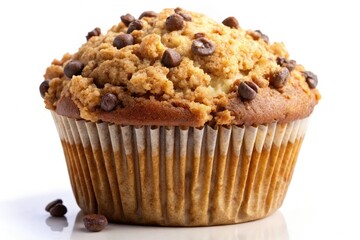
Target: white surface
[(323, 198), (27, 220)]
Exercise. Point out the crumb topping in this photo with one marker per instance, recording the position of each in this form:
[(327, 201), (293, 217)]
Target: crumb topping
[(182, 59)]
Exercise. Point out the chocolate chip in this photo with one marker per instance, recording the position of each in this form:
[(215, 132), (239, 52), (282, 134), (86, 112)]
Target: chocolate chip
[(311, 79), (58, 210), (52, 204), (127, 19), (247, 90), (263, 36), (44, 87), (199, 35), (278, 79), (184, 15), (283, 62), (108, 102), (148, 14), (174, 22), (93, 33), (231, 22), (178, 9), (123, 40), (95, 222), (257, 34), (135, 25), (171, 58), (203, 47), (291, 65), (74, 67)]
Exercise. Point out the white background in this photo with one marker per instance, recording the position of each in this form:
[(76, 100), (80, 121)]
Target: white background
[(323, 198)]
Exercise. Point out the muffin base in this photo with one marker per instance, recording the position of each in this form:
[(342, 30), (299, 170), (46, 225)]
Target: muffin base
[(175, 176)]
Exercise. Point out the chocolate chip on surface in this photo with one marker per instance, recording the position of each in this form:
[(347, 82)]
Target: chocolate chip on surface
[(123, 40), (174, 22), (231, 22), (283, 62), (93, 33), (108, 102), (203, 47), (52, 204), (95, 222), (278, 79), (311, 79), (74, 67), (171, 58), (127, 19), (247, 90), (148, 14), (58, 210), (134, 25), (44, 87)]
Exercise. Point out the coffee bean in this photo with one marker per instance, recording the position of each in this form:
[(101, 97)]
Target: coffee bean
[(52, 204), (123, 40), (203, 47), (74, 67), (127, 19), (311, 79), (231, 22), (171, 58), (199, 35), (283, 62), (247, 90), (108, 102), (44, 87), (174, 22), (58, 210), (148, 14), (278, 79), (95, 222), (134, 25), (92, 33), (184, 15)]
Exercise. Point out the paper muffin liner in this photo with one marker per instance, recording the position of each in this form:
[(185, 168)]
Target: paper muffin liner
[(180, 176)]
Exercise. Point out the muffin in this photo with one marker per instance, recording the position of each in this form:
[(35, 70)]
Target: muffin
[(175, 119)]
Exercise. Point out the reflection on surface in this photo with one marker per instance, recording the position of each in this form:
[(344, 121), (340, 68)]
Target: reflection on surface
[(35, 223), (272, 227), (57, 224)]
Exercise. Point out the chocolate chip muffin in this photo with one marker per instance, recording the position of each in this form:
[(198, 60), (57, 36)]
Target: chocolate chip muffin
[(175, 119)]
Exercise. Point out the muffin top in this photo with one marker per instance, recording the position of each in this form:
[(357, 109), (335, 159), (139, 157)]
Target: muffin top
[(179, 68)]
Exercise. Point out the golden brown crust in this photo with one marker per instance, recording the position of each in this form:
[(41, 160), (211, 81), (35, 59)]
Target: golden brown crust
[(137, 113), (151, 113), (271, 106), (197, 90)]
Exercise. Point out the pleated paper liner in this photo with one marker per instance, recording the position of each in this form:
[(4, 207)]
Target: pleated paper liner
[(178, 176)]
